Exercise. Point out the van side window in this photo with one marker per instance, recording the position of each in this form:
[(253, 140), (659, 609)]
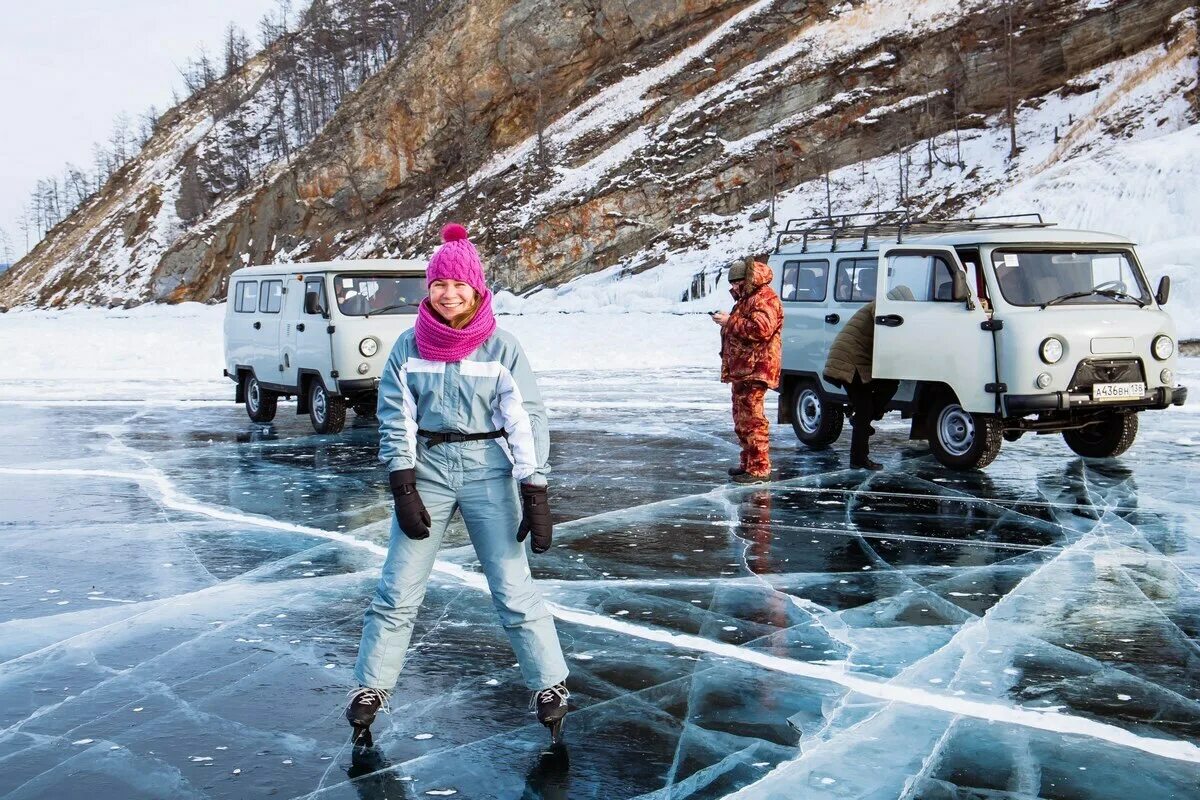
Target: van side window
[(943, 281), (271, 299), (805, 281), (247, 297), (315, 288), (856, 280), (916, 277), (971, 261)]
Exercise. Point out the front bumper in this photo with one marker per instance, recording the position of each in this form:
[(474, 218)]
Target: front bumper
[(1017, 405), (358, 386)]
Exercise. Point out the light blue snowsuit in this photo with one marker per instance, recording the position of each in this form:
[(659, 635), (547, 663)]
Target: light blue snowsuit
[(492, 388)]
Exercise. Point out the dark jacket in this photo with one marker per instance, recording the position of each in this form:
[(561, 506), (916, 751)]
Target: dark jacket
[(852, 349), (751, 341)]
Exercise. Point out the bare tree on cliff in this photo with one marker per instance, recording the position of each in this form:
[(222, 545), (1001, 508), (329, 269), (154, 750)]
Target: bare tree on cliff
[(75, 186), (1009, 69), (6, 249), (1196, 28), (23, 225), (542, 155), (147, 122), (343, 160), (101, 165), (119, 140), (237, 49), (468, 136)]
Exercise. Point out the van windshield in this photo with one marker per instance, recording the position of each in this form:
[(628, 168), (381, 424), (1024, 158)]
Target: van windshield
[(1063, 277), (360, 295)]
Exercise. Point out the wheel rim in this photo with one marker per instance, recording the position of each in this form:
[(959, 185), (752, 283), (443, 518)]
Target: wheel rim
[(253, 395), (319, 404), (808, 411), (956, 430)]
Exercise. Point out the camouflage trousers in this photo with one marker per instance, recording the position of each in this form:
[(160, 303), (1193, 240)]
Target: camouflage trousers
[(751, 426)]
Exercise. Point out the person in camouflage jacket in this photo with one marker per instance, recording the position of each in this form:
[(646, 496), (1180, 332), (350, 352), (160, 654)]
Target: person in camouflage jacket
[(751, 357)]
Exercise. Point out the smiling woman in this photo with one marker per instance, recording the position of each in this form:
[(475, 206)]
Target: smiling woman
[(451, 392)]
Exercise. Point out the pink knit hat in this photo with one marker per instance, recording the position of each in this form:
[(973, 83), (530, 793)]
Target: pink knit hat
[(456, 260)]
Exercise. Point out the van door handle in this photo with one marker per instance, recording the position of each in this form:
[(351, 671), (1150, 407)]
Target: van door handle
[(833, 319), (257, 325), (300, 326), (890, 320)]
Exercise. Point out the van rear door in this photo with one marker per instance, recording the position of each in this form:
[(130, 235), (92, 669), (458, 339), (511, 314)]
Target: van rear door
[(923, 334), (803, 288), (268, 363)]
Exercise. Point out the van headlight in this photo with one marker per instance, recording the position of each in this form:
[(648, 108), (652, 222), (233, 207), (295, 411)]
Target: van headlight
[(1163, 348), (1051, 350), (369, 346)]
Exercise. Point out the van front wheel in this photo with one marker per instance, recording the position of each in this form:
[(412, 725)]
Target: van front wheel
[(326, 411), (260, 402), (816, 421), (960, 439), (1107, 439)]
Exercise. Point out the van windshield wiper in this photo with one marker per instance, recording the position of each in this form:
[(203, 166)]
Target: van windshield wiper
[(392, 307), (1113, 293)]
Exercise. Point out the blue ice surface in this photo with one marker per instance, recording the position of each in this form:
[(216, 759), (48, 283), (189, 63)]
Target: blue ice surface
[(181, 593)]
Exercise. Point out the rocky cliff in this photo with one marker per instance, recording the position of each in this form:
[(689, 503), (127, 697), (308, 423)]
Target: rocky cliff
[(579, 136)]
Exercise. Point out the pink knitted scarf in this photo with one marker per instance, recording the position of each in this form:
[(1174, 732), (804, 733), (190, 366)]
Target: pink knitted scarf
[(437, 341)]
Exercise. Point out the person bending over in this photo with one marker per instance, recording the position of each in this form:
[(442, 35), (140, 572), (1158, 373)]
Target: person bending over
[(848, 365)]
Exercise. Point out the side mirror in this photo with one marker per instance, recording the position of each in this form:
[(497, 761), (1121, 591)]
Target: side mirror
[(960, 291), (312, 304), (1164, 290)]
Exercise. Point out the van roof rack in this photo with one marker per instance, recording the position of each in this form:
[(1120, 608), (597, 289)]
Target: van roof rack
[(897, 222)]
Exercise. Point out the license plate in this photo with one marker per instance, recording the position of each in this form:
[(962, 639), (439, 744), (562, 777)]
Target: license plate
[(1118, 391)]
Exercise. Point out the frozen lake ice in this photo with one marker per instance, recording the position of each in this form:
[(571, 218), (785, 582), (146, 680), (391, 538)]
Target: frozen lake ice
[(181, 593)]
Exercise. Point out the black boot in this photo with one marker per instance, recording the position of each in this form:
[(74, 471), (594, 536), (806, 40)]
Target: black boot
[(865, 462), (551, 705), (735, 471), (364, 704)]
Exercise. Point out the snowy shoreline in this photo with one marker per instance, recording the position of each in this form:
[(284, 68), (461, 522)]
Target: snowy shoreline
[(173, 353)]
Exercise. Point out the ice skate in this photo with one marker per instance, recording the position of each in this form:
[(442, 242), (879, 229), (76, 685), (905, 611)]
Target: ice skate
[(361, 709), (551, 706)]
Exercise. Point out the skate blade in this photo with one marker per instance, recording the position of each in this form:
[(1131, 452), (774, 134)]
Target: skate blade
[(361, 737), (556, 730)]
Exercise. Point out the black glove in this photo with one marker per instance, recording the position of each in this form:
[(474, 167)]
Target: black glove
[(410, 511), (535, 517)]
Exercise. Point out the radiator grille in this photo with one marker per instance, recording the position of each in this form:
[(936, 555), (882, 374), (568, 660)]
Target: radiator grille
[(1107, 370)]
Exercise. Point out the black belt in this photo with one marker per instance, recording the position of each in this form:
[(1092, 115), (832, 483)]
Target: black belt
[(438, 437)]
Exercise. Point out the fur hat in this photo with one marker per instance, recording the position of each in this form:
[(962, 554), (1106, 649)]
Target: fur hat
[(738, 270), (456, 260)]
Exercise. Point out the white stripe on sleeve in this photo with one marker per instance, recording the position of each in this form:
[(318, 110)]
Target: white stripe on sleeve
[(517, 424), (410, 413)]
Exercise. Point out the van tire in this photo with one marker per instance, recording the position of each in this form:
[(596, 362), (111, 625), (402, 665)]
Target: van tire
[(816, 420), (1107, 439), (326, 411), (260, 403), (961, 440)]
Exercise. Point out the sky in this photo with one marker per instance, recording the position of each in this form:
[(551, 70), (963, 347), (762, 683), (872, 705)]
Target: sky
[(68, 67)]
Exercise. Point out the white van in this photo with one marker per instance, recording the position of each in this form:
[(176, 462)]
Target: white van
[(996, 327), (319, 332)]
